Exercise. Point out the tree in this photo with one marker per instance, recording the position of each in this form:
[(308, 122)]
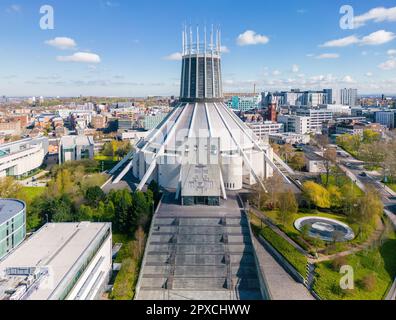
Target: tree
[(371, 136), (330, 156), (297, 162), (141, 209), (321, 140), (154, 187), (273, 185), (85, 213), (9, 188), (94, 195), (288, 207), (374, 153), (123, 149), (368, 209), (316, 194), (335, 196), (63, 209), (286, 151), (123, 201)]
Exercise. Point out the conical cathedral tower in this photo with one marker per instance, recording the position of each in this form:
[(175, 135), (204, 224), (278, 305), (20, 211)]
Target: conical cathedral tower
[(202, 149)]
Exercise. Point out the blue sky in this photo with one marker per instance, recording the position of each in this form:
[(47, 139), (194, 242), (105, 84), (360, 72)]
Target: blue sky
[(126, 47)]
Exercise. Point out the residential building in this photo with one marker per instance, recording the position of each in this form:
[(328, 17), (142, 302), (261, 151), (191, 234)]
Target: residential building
[(61, 261), (73, 148), (10, 127), (348, 97), (20, 158), (99, 121), (12, 225)]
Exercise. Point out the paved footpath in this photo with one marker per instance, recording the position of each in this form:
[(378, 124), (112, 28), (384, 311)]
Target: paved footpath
[(281, 285)]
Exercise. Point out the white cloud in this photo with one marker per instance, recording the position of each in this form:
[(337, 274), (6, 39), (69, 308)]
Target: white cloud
[(343, 42), (295, 68), (111, 4), (348, 79), (250, 37), (369, 74), (379, 14), (177, 56), (276, 73), (391, 52), (83, 57), (224, 49), (328, 56), (388, 65), (376, 38), (62, 43), (14, 8)]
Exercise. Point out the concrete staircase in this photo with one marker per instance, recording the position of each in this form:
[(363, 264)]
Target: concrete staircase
[(199, 258)]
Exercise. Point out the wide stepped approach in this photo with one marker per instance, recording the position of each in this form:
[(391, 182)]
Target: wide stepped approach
[(200, 253)]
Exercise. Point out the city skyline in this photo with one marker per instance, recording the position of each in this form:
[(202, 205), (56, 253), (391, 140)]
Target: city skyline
[(273, 46)]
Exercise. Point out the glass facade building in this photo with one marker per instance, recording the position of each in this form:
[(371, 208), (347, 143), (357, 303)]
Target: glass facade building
[(12, 225)]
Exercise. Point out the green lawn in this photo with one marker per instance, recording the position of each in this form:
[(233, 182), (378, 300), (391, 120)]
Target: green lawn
[(295, 258), (308, 243), (392, 186), (379, 262), (106, 158), (341, 181), (30, 193), (106, 163)]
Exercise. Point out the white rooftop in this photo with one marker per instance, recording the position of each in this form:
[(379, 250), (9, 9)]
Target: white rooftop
[(58, 246), (9, 208), (72, 141)]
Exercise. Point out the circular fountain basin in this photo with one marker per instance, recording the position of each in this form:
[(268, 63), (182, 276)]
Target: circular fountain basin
[(325, 229)]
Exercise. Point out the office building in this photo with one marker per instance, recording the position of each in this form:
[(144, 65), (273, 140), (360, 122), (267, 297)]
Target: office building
[(151, 121), (245, 103), (61, 261), (316, 117), (20, 158), (386, 118), (296, 124), (263, 129), (74, 148), (12, 225)]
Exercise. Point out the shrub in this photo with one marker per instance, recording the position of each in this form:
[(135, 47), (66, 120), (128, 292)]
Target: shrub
[(338, 262), (369, 282)]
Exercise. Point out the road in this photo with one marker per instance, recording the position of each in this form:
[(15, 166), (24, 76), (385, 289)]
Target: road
[(354, 168)]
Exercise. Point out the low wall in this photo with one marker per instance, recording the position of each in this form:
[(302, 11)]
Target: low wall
[(282, 261), (143, 263)]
